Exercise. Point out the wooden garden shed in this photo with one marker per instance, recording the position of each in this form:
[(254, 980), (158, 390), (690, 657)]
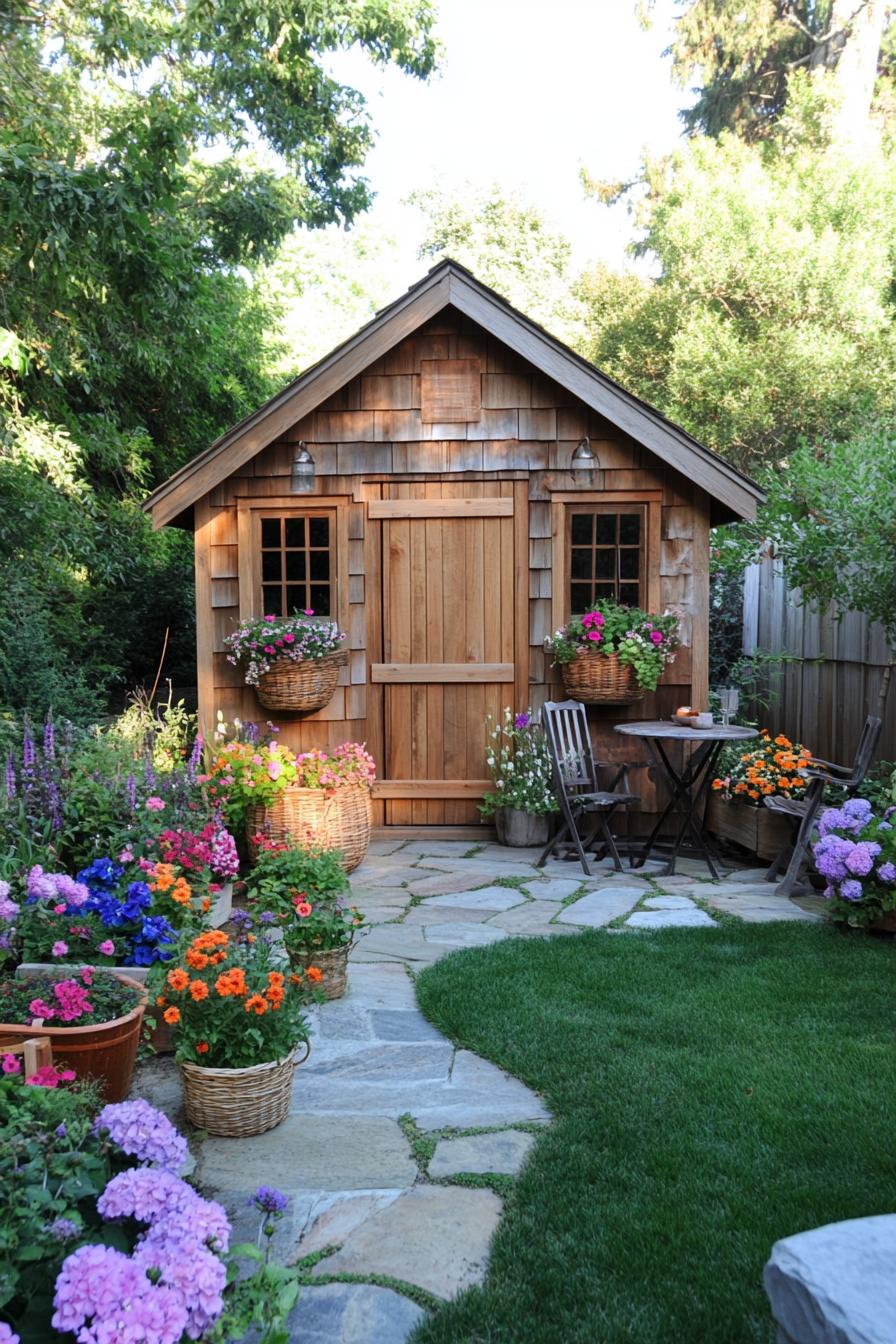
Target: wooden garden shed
[(444, 525)]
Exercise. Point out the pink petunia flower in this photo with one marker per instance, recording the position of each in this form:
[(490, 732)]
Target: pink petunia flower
[(10, 1064), (59, 949), (107, 947)]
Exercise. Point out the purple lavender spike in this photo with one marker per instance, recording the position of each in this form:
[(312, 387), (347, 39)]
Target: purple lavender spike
[(149, 775), (10, 777), (55, 805), (49, 738), (251, 731), (130, 788), (27, 747)]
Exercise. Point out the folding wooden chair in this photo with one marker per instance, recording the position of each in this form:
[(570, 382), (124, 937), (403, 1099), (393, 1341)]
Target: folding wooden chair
[(803, 811), (577, 785)]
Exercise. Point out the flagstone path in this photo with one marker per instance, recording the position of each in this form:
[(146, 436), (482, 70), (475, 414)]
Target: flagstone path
[(377, 1154)]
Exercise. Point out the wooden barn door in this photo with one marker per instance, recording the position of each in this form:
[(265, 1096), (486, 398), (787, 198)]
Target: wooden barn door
[(449, 657)]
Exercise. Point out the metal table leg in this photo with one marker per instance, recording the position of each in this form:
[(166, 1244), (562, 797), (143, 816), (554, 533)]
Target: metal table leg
[(689, 787)]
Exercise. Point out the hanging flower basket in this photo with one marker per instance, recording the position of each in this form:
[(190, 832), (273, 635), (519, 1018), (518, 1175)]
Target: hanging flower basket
[(238, 1103), (300, 687), (336, 818), (292, 661), (600, 678)]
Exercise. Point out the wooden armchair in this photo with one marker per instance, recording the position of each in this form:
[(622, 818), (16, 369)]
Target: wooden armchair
[(803, 811), (577, 787)]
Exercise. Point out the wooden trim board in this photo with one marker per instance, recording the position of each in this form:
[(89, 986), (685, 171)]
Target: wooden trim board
[(402, 674), (496, 507), (434, 789)]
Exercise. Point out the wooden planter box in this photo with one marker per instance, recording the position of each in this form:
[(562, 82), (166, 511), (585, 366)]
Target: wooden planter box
[(762, 832)]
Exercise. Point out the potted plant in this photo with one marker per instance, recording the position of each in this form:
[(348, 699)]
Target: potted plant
[(734, 809), (208, 860), (91, 1018), (612, 654), (300, 891), (522, 800), (292, 661), (856, 853), (316, 799), (237, 1022)]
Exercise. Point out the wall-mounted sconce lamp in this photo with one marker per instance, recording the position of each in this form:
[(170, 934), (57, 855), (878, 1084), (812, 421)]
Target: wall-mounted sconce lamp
[(584, 458), (302, 475)]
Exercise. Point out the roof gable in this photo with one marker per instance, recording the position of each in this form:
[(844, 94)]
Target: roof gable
[(448, 283)]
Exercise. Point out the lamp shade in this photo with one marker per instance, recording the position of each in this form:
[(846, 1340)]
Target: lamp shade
[(302, 474), (583, 458)]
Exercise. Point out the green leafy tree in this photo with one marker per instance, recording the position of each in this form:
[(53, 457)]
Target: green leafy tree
[(509, 245)]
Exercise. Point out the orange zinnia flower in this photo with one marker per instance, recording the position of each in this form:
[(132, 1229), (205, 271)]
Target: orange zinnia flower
[(210, 938), (178, 978), (161, 1001), (171, 1015), (276, 978), (256, 1004), (314, 974), (198, 990), (198, 960), (202, 1047)]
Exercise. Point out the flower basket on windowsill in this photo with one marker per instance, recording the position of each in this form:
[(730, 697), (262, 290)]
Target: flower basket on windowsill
[(292, 661), (613, 655)]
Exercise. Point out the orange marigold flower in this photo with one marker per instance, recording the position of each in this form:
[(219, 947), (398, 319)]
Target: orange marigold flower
[(202, 1047), (256, 1005), (276, 978), (753, 793), (295, 979), (782, 741), (314, 974), (161, 1001), (178, 978), (198, 990), (171, 1015), (218, 957), (181, 895), (203, 942), (198, 960)]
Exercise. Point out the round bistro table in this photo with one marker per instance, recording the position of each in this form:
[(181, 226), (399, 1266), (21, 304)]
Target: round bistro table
[(687, 787)]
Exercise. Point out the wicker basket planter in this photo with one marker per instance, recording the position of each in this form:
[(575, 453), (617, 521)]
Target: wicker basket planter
[(762, 832), (336, 818), (333, 966), (600, 679), (237, 1103), (105, 1052), (300, 687)]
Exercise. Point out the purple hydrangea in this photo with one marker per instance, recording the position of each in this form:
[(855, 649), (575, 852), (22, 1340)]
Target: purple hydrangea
[(196, 1275), (103, 1295), (63, 1229), (887, 872), (831, 852), (8, 1335), (851, 890), (150, 1195), (860, 860), (858, 809), (144, 1133)]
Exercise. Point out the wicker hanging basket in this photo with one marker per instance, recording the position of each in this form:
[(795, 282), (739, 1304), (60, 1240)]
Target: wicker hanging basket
[(237, 1103), (334, 819), (300, 687), (600, 679), (333, 966)]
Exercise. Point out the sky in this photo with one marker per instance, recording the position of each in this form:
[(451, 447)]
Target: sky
[(528, 94)]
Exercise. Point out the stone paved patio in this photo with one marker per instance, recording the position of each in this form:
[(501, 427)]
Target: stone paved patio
[(380, 1074)]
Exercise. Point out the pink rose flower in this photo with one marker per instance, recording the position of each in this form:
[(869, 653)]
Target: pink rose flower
[(59, 949)]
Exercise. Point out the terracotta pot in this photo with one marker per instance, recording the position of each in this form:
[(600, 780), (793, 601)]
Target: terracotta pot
[(333, 966), (105, 1052), (521, 830)]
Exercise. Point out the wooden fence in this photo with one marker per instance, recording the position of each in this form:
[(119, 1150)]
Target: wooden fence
[(822, 698)]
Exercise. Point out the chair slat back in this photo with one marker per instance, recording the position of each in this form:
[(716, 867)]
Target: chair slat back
[(865, 751), (565, 724)]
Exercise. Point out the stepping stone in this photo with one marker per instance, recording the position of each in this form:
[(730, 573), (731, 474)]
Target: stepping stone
[(534, 916), (464, 935), (389, 877), (380, 987), (489, 898), (334, 1216), (390, 1024), (503, 1154), (670, 919), (311, 1152), (376, 1062), (399, 940), (353, 1313), (555, 889), (381, 914), (347, 1023), (446, 883), (509, 854), (382, 848), (669, 903), (430, 914), (748, 875), (438, 849), (599, 907), (436, 1237)]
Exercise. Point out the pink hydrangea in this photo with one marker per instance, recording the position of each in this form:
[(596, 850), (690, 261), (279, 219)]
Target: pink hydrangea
[(59, 948), (103, 1295), (143, 1132)]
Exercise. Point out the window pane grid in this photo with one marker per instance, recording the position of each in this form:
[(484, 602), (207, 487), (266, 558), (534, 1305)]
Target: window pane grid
[(606, 557), (296, 564)]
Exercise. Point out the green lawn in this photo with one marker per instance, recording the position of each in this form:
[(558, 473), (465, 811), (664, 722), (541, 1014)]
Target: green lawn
[(712, 1092)]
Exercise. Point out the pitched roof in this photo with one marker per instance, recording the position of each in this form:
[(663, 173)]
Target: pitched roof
[(449, 283)]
